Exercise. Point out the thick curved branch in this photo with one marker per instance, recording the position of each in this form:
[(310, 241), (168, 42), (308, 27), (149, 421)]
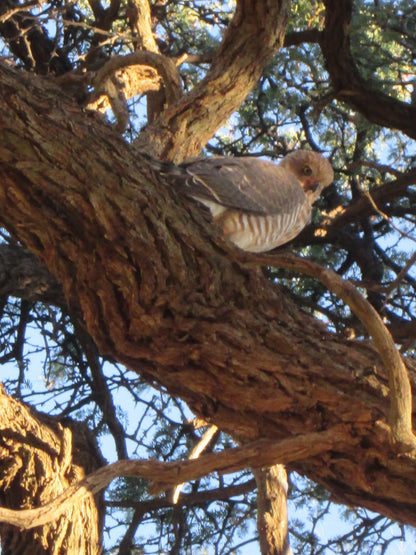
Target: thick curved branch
[(260, 453), (255, 33), (163, 292), (165, 67), (125, 76), (348, 85), (400, 391)]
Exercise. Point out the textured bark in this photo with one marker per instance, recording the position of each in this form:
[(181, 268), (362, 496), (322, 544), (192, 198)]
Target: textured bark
[(255, 33), (40, 459), (163, 293), (167, 474), (272, 511)]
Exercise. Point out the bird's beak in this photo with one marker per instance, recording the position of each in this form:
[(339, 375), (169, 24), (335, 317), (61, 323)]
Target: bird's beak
[(311, 185)]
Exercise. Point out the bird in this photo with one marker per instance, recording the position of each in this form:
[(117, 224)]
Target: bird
[(258, 205)]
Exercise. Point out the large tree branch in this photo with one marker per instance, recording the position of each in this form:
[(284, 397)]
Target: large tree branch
[(349, 86), (261, 452), (253, 36), (400, 392), (164, 293)]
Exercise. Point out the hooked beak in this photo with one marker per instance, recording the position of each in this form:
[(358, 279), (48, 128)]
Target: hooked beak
[(311, 185)]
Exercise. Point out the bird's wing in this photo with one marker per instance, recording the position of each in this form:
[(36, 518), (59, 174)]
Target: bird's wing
[(247, 184)]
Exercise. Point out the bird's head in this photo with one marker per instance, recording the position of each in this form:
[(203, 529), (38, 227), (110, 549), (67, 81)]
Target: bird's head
[(312, 170)]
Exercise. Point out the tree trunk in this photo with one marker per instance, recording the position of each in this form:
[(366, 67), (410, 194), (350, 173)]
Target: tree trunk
[(41, 457), (161, 291)]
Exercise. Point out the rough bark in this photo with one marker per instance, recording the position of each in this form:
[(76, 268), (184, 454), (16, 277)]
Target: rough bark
[(272, 510), (163, 293), (42, 457), (167, 474), (255, 33)]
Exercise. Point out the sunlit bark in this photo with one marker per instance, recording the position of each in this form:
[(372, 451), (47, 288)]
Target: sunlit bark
[(162, 292)]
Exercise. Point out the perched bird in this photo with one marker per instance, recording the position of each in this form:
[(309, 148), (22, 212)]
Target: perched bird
[(259, 205)]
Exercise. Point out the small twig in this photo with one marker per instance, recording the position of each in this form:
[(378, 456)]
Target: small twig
[(194, 58), (400, 276), (386, 217), (195, 453)]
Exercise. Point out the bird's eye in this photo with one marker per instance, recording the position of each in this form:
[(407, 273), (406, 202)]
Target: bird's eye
[(307, 170)]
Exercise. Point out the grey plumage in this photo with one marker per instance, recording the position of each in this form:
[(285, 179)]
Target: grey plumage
[(258, 204)]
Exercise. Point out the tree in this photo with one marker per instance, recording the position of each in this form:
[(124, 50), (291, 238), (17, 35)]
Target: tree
[(112, 265)]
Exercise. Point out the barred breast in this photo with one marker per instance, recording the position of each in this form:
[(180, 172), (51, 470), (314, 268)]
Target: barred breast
[(258, 233)]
